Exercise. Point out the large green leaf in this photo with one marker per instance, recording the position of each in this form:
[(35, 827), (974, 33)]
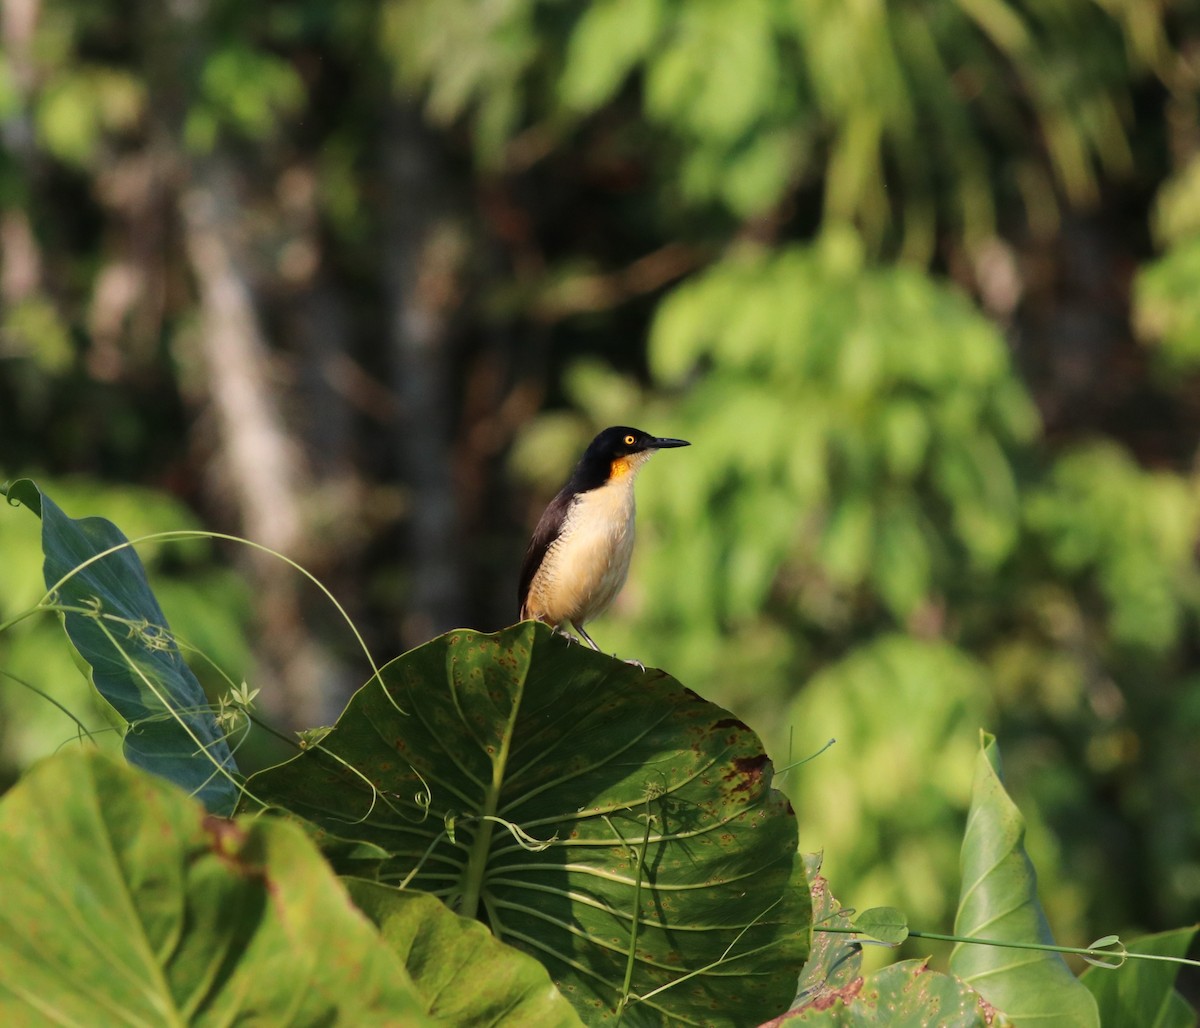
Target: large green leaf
[(999, 901), (605, 819), (1141, 993), (462, 972), (126, 904), (121, 632)]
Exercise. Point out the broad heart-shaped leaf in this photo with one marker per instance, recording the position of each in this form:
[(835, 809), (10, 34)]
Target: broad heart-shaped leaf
[(1141, 993), (999, 901), (135, 665), (605, 819), (903, 995), (463, 973), (124, 903)]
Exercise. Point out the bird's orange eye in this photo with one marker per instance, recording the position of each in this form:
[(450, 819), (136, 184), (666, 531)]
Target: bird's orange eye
[(629, 440)]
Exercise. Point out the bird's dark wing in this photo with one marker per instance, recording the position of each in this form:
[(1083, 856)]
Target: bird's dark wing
[(548, 527)]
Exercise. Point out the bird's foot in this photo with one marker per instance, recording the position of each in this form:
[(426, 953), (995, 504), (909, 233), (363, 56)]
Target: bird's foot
[(584, 636), (636, 663)]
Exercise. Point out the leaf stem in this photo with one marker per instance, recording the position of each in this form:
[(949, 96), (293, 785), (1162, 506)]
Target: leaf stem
[(638, 857), (1083, 951), (481, 845), (180, 534), (84, 731), (18, 618), (477, 858)]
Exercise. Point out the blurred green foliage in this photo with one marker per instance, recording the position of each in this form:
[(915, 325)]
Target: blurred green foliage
[(748, 101), (245, 89), (1167, 307), (908, 785), (877, 403), (81, 104), (1126, 534)]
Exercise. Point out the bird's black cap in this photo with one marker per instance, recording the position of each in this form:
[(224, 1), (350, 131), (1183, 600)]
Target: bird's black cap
[(621, 441), (603, 457)]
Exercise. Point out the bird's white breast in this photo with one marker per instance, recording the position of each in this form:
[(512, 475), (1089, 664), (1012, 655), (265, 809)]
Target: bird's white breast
[(585, 567)]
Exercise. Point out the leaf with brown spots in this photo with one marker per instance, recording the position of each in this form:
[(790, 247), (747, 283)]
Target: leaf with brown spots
[(904, 995), (836, 959), (604, 819)]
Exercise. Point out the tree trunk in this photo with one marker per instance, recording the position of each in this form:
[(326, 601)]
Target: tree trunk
[(260, 461), (423, 257)]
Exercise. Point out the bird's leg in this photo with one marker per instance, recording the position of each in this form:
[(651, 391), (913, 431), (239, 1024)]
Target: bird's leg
[(590, 641)]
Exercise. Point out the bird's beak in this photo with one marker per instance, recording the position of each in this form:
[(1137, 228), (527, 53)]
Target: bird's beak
[(667, 444)]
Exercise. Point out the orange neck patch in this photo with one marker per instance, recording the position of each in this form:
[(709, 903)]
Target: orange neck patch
[(623, 467)]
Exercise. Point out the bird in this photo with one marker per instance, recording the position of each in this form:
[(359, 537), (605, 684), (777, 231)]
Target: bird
[(579, 555)]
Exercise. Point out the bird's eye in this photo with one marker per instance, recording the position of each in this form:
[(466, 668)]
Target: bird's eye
[(629, 440)]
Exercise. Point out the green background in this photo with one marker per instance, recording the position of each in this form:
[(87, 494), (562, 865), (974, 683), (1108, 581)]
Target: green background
[(359, 281)]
